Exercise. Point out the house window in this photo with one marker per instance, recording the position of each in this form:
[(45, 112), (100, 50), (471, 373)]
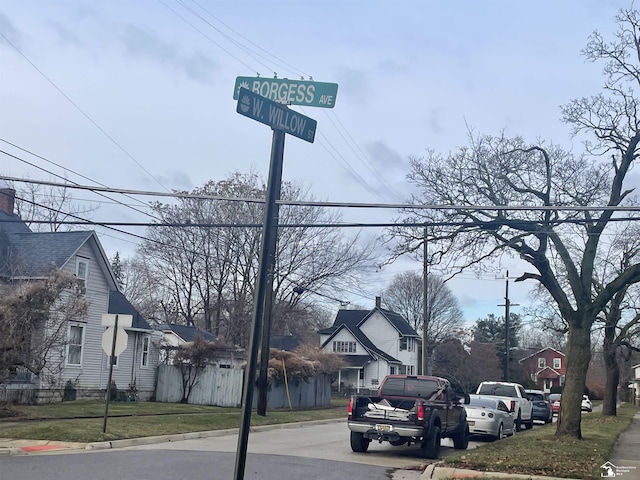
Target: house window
[(542, 362), (344, 347), (82, 268), (557, 362), (225, 365), (392, 370), (146, 344), (403, 343), (74, 347)]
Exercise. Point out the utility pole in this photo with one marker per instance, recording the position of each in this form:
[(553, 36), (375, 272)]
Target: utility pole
[(507, 305), (425, 304)]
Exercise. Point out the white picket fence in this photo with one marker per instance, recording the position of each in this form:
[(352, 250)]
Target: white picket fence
[(223, 387)]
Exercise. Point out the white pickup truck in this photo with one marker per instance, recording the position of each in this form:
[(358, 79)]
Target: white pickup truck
[(514, 396)]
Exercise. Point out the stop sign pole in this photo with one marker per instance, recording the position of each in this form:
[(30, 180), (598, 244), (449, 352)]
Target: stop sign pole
[(111, 360)]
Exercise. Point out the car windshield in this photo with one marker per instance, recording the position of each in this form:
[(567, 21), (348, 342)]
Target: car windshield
[(536, 396), (410, 387), (498, 390), (554, 396)]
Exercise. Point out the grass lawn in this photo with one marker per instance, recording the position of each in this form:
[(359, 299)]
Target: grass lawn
[(81, 421), (540, 452)]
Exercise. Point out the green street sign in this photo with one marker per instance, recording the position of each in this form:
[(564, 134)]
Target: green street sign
[(276, 115), (290, 92)]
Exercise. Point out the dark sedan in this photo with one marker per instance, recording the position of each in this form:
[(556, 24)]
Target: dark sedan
[(542, 408)]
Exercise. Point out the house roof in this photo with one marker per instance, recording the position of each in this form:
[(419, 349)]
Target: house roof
[(188, 333), (35, 252), (118, 304), (284, 342), (357, 361), (548, 372), (540, 351), (354, 318)]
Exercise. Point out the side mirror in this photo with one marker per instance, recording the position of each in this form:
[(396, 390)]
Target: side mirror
[(464, 398)]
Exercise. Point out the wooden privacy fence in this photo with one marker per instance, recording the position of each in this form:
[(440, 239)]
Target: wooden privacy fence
[(215, 386), (223, 387)]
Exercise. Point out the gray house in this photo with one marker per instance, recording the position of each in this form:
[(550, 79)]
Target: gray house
[(84, 365)]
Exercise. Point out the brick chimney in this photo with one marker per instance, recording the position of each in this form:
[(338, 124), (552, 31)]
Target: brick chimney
[(378, 302), (7, 200)]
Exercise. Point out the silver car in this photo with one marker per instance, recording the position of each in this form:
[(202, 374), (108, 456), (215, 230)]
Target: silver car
[(489, 416)]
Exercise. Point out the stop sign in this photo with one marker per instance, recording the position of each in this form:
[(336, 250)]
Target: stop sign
[(121, 340)]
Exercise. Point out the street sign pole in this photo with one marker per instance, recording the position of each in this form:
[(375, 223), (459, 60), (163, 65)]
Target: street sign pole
[(277, 148), (269, 235), (111, 357)]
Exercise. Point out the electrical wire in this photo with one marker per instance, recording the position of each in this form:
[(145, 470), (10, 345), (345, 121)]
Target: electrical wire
[(85, 114)]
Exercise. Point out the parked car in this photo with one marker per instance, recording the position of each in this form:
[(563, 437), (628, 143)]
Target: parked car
[(554, 398), (586, 405), (542, 409), (514, 397), (489, 416)]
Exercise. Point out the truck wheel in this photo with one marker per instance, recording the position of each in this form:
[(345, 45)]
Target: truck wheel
[(461, 440), (431, 446), (359, 443), (518, 422)]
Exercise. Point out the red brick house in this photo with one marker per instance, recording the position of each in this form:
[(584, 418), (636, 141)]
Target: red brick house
[(546, 367)]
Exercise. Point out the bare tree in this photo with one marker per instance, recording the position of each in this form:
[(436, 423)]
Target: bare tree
[(33, 324), (44, 208), (405, 295), (206, 271)]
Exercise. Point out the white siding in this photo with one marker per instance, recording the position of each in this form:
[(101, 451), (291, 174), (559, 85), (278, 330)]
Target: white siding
[(383, 335), (87, 375)]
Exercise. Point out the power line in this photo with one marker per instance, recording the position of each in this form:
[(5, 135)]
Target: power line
[(396, 206), (85, 114)]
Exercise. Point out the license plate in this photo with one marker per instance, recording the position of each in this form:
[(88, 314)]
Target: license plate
[(471, 423), (384, 428)]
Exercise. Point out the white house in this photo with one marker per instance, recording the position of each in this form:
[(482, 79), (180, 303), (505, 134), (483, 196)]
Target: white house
[(374, 343)]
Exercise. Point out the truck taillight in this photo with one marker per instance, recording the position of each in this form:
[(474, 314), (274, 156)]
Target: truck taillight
[(350, 409), (513, 405), (420, 412)]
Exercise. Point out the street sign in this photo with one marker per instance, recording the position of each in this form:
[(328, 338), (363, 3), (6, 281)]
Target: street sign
[(121, 341), (277, 116), (109, 320), (290, 92)]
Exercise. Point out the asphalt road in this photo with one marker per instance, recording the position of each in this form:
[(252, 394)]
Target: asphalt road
[(318, 452)]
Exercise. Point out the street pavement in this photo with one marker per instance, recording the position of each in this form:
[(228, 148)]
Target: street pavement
[(624, 462)]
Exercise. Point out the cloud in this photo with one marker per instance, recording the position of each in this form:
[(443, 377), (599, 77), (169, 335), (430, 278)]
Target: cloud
[(141, 43), (9, 30), (65, 35), (354, 84)]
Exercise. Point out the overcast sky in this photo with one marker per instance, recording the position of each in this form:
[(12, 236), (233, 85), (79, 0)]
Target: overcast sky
[(138, 94)]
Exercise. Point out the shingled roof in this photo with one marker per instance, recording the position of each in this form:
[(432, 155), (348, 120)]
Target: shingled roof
[(118, 304)]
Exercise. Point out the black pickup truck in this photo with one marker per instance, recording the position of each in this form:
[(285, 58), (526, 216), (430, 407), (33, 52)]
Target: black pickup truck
[(410, 410)]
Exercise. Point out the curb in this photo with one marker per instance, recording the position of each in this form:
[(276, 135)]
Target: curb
[(435, 471), (132, 442)]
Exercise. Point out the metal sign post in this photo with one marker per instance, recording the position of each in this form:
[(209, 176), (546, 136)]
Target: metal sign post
[(268, 238), (111, 358)]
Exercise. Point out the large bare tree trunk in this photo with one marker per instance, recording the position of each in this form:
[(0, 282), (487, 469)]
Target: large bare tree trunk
[(578, 358), (613, 372)]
